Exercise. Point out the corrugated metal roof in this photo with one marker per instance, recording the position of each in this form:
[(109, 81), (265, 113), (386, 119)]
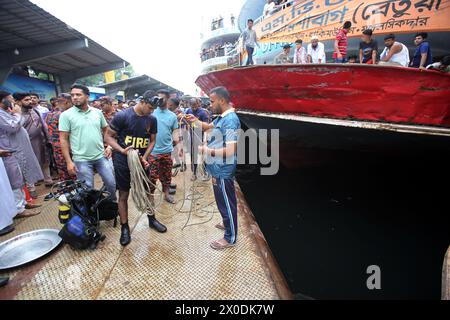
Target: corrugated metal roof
[(25, 25), (137, 85)]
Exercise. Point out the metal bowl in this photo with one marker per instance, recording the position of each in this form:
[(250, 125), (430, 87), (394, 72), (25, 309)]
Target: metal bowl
[(28, 247)]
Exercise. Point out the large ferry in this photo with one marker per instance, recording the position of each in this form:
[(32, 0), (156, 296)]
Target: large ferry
[(337, 107)]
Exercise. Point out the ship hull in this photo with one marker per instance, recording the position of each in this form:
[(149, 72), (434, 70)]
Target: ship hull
[(307, 141), (339, 91)]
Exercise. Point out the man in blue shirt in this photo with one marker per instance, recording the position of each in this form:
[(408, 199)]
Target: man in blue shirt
[(161, 156), (196, 136), (422, 56), (221, 160)]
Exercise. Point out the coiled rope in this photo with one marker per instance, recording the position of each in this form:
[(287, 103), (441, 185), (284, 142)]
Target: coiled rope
[(140, 183), (140, 190)]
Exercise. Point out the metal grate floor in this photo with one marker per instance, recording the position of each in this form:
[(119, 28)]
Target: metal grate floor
[(176, 265)]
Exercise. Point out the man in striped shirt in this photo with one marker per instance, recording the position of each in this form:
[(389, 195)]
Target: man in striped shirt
[(341, 42)]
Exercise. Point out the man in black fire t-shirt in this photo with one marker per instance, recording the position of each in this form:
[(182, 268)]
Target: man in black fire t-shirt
[(134, 128)]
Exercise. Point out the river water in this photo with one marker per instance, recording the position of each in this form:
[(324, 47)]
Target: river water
[(327, 224)]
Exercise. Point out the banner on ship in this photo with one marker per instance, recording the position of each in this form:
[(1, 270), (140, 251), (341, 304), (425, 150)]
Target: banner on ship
[(324, 18)]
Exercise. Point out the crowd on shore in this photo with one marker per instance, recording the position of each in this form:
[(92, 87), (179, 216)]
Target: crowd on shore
[(70, 137)]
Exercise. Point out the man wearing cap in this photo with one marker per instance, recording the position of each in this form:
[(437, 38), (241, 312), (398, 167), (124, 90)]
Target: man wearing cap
[(133, 128), (283, 57), (23, 166), (316, 51)]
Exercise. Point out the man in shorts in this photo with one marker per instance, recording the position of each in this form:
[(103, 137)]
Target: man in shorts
[(133, 128)]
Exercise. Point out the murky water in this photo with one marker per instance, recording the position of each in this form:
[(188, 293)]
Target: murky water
[(326, 225)]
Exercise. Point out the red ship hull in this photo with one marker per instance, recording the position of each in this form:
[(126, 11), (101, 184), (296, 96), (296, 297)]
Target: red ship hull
[(342, 91)]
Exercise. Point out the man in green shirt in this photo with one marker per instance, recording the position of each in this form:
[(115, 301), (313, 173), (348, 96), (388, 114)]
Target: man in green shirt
[(81, 133)]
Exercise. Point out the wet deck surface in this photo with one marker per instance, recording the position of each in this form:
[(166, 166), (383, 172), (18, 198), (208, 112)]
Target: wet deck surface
[(176, 265)]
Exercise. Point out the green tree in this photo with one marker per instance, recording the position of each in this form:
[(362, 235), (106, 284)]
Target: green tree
[(99, 79)]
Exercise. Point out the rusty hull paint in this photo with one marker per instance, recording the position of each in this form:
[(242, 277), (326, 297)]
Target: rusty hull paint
[(343, 91)]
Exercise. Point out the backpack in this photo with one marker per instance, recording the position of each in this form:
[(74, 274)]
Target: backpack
[(81, 225)]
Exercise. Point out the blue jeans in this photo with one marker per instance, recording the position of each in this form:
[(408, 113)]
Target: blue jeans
[(85, 172), (337, 60), (250, 56)]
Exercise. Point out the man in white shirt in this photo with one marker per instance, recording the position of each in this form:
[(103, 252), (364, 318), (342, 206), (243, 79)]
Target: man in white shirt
[(300, 54), (269, 8), (395, 53), (316, 51)]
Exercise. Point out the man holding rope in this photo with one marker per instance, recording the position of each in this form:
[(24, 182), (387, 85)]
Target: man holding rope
[(133, 128), (221, 160), (167, 139)]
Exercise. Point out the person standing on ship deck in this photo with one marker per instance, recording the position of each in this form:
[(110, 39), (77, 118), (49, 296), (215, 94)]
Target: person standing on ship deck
[(283, 57), (368, 48), (316, 51), (300, 55), (422, 57), (250, 41), (341, 43), (395, 53), (221, 160)]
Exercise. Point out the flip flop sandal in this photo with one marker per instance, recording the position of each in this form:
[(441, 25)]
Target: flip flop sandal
[(170, 200), (6, 230), (219, 246), (220, 226), (3, 281), (27, 214), (32, 206)]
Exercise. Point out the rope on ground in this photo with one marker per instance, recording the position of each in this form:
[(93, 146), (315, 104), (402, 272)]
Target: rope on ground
[(140, 183), (201, 168)]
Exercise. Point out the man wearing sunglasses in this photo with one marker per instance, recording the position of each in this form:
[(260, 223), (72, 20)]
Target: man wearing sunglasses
[(133, 128)]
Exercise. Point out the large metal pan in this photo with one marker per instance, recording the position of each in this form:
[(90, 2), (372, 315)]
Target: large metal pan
[(28, 247)]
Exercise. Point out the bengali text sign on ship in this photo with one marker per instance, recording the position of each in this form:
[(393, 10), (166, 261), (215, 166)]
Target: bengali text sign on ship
[(323, 18)]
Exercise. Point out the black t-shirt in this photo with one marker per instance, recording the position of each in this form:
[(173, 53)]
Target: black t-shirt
[(367, 49), (133, 130)]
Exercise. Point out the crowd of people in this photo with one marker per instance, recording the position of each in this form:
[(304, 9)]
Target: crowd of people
[(217, 50), (273, 6), (71, 138), (394, 53), (218, 23)]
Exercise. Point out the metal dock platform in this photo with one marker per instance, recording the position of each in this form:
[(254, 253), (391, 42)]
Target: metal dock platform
[(176, 265)]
